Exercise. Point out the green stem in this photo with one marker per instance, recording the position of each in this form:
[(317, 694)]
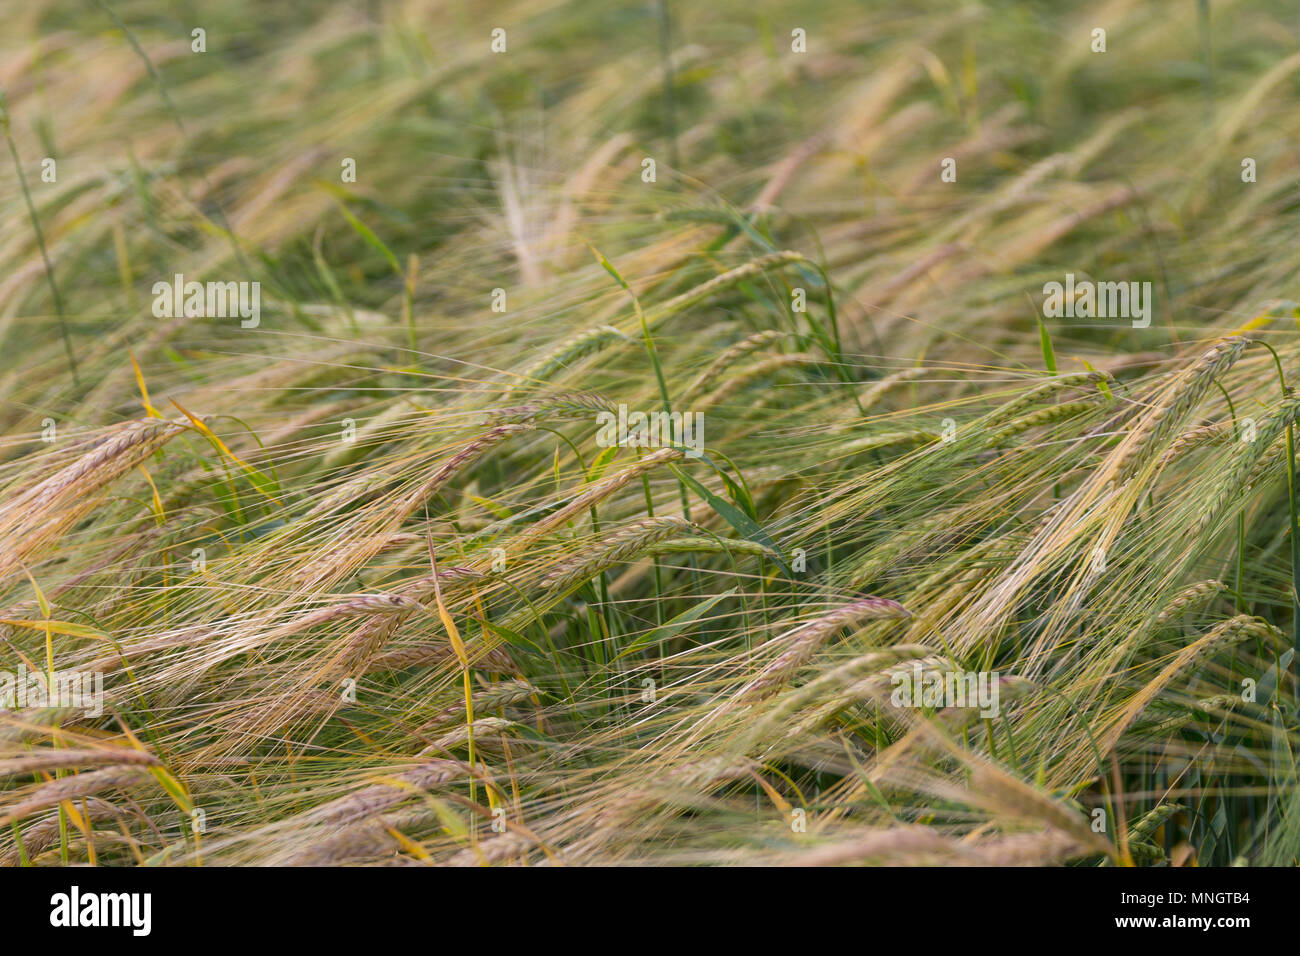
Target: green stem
[(40, 241)]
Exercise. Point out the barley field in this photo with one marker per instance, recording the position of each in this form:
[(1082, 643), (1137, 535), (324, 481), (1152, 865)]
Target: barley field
[(633, 432)]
